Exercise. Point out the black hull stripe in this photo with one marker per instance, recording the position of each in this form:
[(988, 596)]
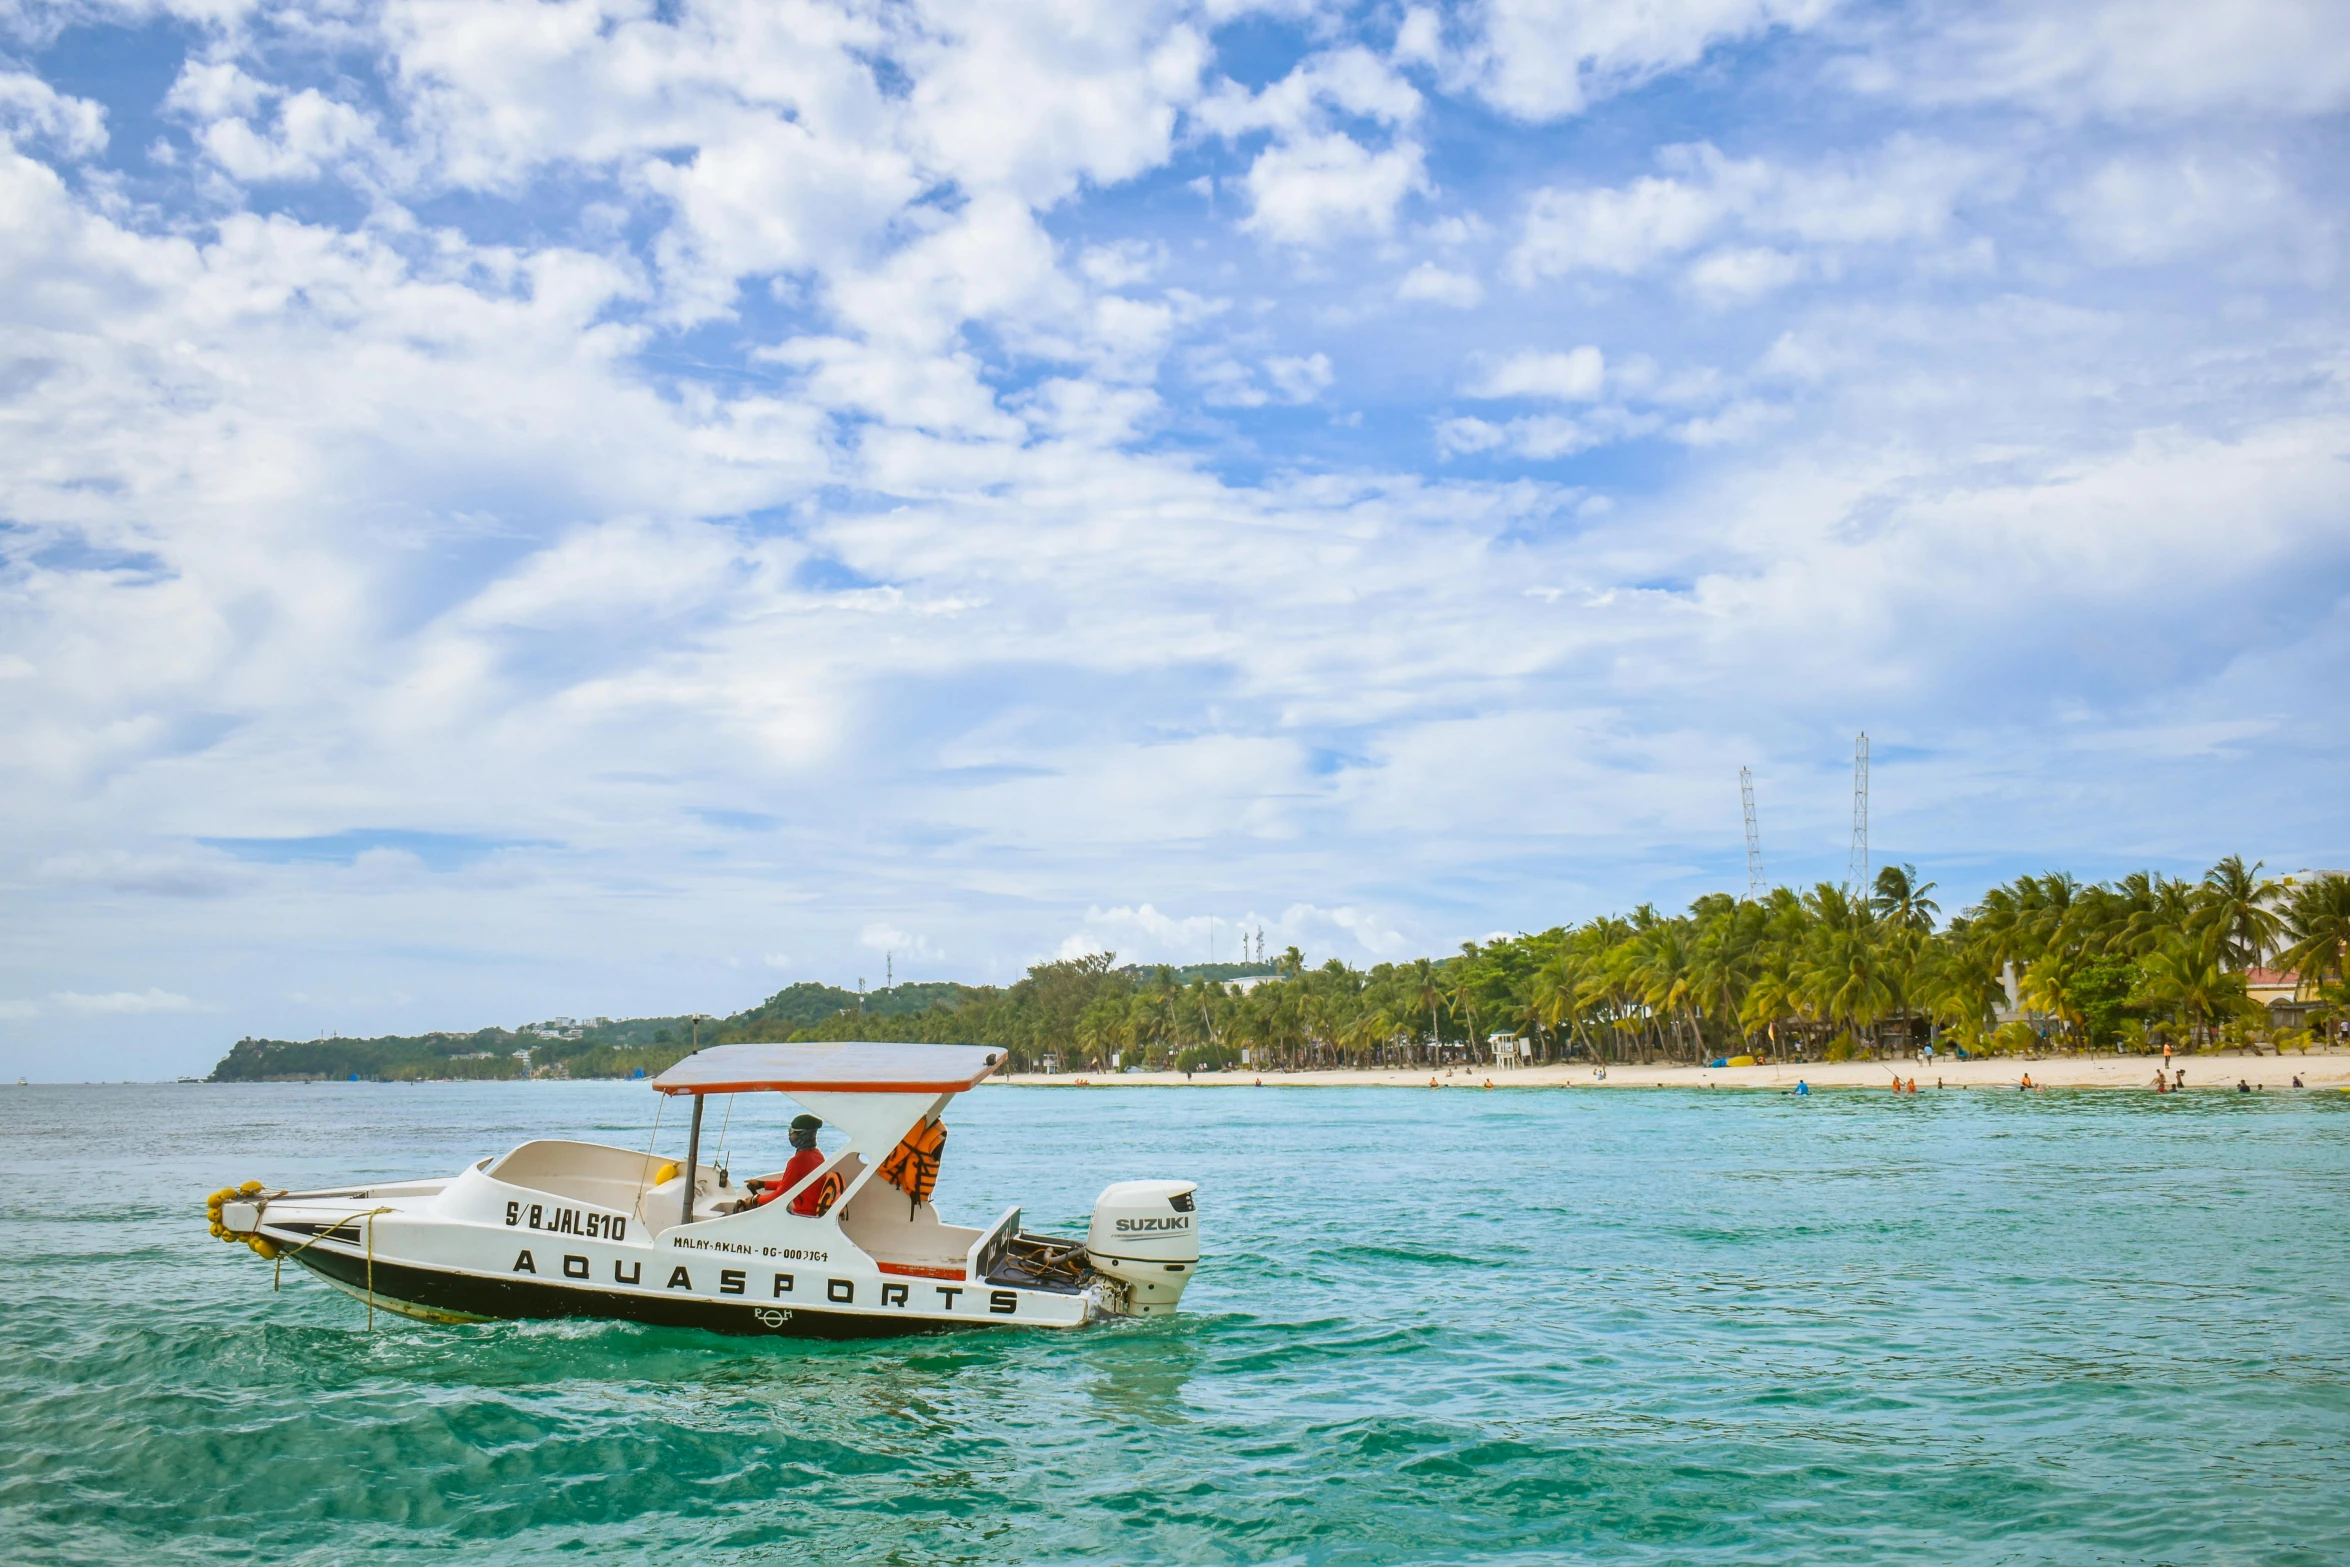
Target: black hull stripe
[(522, 1297)]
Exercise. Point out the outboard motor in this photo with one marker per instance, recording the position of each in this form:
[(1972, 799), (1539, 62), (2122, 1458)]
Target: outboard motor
[(1145, 1234)]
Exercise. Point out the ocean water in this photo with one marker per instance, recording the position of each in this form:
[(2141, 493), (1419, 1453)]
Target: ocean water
[(1506, 1327)]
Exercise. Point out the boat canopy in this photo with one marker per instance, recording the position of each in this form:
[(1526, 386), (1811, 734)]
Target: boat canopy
[(847, 1067)]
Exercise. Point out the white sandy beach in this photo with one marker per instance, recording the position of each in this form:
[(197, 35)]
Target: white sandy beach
[(2204, 1073)]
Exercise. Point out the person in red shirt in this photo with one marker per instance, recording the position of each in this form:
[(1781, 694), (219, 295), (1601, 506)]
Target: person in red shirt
[(804, 1160)]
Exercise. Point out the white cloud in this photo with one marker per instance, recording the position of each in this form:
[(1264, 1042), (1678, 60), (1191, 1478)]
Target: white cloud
[(1537, 438), (2125, 57), (1029, 101), (122, 1001), (1574, 376), (1316, 189), (1352, 82), (1299, 380), (1539, 59), (215, 90), (310, 131), (2142, 210), (886, 937), (1455, 437), (1372, 932), (1429, 283), (1613, 230), (774, 197), (1142, 934), (1904, 191), (1742, 273), (33, 111), (1315, 182), (1122, 263)]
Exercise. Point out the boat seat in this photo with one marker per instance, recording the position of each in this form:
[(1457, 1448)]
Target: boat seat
[(591, 1173), (903, 1237)]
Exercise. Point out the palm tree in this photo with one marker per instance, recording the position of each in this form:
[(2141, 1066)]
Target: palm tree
[(2185, 973), (1901, 899), (1957, 991), (2159, 905), (2047, 903), (1462, 993), (2047, 987), (1666, 976), (1844, 973), (1427, 986), (1551, 996), (2237, 902), (1773, 998), (2317, 924)]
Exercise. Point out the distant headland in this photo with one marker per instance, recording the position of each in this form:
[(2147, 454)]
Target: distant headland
[(2234, 959)]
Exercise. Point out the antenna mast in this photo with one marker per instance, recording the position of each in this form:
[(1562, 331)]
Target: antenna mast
[(1858, 866), (1754, 866)]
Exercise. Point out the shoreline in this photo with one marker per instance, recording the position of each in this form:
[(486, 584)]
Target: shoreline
[(2204, 1074)]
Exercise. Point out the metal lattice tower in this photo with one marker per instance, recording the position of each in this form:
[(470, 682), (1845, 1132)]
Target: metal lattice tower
[(1754, 868), (1858, 866)]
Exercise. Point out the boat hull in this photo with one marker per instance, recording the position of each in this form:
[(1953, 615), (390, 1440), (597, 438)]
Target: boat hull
[(435, 1295)]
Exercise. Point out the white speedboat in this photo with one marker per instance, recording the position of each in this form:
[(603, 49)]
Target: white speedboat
[(850, 1248)]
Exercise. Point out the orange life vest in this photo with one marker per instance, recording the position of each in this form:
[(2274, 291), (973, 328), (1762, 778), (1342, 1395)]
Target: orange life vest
[(912, 1166), (827, 1193)]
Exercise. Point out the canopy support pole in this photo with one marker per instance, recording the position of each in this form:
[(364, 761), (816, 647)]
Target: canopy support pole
[(693, 1161)]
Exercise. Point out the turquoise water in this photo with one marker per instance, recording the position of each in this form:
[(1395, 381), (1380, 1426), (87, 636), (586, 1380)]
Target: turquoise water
[(1459, 1327)]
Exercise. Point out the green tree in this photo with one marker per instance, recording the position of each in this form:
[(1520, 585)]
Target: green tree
[(2317, 932), (2184, 975), (2098, 995), (1901, 899), (2239, 904)]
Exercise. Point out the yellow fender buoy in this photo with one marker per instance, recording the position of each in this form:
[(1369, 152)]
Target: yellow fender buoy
[(261, 1245)]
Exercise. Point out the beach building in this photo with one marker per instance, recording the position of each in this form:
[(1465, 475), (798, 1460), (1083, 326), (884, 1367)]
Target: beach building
[(2268, 986), (2011, 984), (2279, 991)]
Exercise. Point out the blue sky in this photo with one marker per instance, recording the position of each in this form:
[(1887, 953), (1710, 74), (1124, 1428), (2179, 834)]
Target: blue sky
[(519, 509)]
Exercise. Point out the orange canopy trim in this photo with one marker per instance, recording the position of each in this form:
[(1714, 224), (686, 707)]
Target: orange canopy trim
[(848, 1067)]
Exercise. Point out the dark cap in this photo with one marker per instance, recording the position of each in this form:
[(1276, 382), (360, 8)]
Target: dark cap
[(804, 1123)]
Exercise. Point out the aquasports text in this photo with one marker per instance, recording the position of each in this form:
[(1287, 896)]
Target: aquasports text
[(736, 1281)]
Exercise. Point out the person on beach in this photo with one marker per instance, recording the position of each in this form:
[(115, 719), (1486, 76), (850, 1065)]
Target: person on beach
[(2161, 1083), (2026, 1085), (2296, 1080), (2243, 1087), (1802, 1089)]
